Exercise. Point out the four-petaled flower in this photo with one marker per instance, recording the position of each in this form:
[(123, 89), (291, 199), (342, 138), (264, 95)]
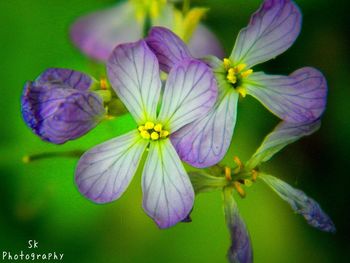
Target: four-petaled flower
[(104, 172), (96, 34), (297, 98)]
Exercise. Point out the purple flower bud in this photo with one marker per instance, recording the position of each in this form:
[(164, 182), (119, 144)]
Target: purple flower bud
[(58, 106)]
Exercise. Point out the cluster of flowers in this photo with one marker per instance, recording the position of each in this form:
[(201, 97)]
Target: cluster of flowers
[(190, 117)]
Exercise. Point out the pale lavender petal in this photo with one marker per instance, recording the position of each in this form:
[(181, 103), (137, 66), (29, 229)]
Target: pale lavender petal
[(285, 133), (133, 71), (271, 31), (96, 34), (240, 250), (300, 97), (204, 43), (189, 94), (104, 172), (301, 203), (167, 191), (205, 141), (58, 107), (167, 46)]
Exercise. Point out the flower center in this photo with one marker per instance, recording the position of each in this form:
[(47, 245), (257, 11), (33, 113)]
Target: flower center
[(236, 74), (152, 131)]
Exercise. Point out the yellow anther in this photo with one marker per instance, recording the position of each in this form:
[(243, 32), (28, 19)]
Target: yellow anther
[(158, 127), (238, 161), (227, 63), (103, 83), (246, 73), (145, 135), (154, 136), (164, 134), (228, 173), (149, 125), (239, 189), (141, 128), (240, 67), (254, 175), (241, 90), (231, 76)]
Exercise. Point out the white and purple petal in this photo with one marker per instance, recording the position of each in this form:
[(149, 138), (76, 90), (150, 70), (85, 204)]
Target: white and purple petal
[(300, 97), (97, 33), (285, 133), (104, 172), (59, 107), (133, 71), (167, 191), (205, 141), (190, 93), (271, 31), (240, 250), (167, 46), (301, 203)]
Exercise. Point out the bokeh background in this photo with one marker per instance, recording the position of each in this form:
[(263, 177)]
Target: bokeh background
[(40, 201)]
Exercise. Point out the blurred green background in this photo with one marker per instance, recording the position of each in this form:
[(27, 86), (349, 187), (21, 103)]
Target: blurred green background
[(40, 201)]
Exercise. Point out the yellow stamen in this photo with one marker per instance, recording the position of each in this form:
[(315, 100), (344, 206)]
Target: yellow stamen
[(149, 125), (164, 134), (158, 127), (246, 73), (231, 76), (227, 63), (240, 67), (254, 175), (241, 90), (154, 136), (228, 173), (239, 189), (141, 128), (103, 83), (145, 135)]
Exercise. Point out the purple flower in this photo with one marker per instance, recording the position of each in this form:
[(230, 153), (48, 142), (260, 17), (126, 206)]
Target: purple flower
[(104, 172), (58, 105), (297, 98), (96, 34)]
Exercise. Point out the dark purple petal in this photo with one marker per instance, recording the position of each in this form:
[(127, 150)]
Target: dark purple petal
[(96, 34), (66, 77), (167, 191), (240, 250), (205, 142), (104, 172), (301, 203), (285, 133), (271, 31), (300, 97), (58, 112), (190, 93), (204, 43), (167, 46), (133, 71)]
